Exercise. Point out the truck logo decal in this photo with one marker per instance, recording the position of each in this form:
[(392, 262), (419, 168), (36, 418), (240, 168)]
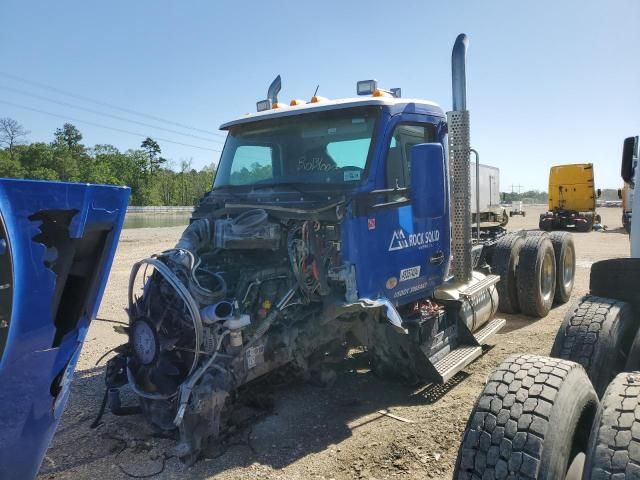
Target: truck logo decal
[(409, 273), (398, 240), (401, 240)]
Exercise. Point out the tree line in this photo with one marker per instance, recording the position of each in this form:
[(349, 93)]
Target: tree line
[(153, 179), (530, 196)]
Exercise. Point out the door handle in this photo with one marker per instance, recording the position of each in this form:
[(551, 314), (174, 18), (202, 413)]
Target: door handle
[(437, 258)]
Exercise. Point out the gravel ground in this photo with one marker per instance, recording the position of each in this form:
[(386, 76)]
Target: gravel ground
[(311, 432)]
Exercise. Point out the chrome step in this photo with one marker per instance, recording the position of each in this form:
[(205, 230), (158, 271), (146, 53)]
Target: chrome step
[(456, 360), (486, 282), (489, 330)]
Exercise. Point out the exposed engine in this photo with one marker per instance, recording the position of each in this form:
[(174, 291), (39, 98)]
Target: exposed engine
[(236, 298)]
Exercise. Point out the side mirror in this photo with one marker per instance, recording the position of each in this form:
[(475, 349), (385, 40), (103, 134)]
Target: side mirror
[(428, 182), (626, 170), (599, 192)]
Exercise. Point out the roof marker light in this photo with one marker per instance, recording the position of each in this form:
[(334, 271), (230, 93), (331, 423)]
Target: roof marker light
[(296, 101), (318, 99), (366, 87), (381, 93), (278, 105)]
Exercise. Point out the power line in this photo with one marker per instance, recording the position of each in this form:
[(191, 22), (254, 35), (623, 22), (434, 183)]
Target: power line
[(96, 112), (64, 117), (105, 104)]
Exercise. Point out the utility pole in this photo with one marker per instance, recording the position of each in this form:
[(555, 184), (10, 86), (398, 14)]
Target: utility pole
[(519, 187)]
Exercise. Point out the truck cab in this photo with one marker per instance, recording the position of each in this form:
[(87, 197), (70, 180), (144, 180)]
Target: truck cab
[(352, 158), (572, 198)]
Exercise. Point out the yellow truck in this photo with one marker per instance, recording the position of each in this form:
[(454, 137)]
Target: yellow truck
[(572, 199)]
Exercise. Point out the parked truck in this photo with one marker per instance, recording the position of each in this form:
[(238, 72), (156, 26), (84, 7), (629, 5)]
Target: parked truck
[(517, 209), (331, 224), (572, 198), (575, 414), (487, 190)]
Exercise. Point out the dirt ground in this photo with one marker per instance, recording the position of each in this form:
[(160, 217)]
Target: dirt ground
[(311, 432)]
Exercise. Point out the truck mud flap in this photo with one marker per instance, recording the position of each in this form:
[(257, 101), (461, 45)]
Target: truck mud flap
[(57, 242)]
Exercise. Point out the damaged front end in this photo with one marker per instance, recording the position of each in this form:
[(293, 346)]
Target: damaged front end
[(237, 297), (243, 294), (57, 242)]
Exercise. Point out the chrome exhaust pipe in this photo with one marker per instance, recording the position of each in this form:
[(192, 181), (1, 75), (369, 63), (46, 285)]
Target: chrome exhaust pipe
[(459, 151), (459, 73)]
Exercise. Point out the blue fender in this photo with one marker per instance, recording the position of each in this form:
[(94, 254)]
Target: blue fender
[(57, 242)]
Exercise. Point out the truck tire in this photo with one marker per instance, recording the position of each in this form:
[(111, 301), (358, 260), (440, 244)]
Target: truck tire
[(524, 214), (616, 278), (584, 223), (565, 253), (531, 419), (614, 446), (633, 358), (592, 334), (536, 276), (545, 223), (504, 262)]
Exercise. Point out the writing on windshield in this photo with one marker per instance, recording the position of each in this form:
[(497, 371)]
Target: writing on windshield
[(326, 147)]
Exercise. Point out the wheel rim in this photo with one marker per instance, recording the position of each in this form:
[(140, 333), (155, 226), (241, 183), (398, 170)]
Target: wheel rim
[(576, 468), (546, 276), (568, 268)]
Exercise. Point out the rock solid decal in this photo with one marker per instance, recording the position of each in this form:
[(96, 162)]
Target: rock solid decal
[(401, 240), (398, 240)]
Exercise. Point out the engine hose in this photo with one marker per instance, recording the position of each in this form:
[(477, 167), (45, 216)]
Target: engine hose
[(182, 291), (198, 234), (203, 295), (259, 277), (248, 221), (269, 319)]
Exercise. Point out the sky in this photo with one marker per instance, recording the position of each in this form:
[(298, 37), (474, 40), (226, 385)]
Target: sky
[(549, 82)]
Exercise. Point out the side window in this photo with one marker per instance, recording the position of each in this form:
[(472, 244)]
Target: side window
[(251, 163), (405, 136)]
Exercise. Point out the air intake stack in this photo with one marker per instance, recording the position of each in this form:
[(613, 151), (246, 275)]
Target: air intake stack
[(459, 167)]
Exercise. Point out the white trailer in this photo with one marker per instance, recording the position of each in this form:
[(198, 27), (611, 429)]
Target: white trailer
[(489, 189)]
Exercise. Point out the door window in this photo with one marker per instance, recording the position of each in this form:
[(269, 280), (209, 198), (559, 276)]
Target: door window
[(405, 136)]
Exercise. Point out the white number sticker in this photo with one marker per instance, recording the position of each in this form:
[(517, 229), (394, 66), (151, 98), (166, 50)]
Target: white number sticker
[(409, 273)]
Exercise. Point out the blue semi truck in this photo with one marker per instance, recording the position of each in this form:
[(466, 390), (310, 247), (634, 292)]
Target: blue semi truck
[(330, 224)]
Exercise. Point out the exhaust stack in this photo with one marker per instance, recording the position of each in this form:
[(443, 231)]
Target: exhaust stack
[(459, 150)]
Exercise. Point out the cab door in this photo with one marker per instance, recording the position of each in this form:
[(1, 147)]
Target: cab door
[(401, 254)]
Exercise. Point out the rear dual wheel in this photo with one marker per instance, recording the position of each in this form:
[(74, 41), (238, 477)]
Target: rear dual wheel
[(565, 254), (535, 271), (536, 276), (506, 253)]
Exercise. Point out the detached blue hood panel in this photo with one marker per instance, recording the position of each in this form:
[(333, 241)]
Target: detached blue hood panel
[(57, 242)]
